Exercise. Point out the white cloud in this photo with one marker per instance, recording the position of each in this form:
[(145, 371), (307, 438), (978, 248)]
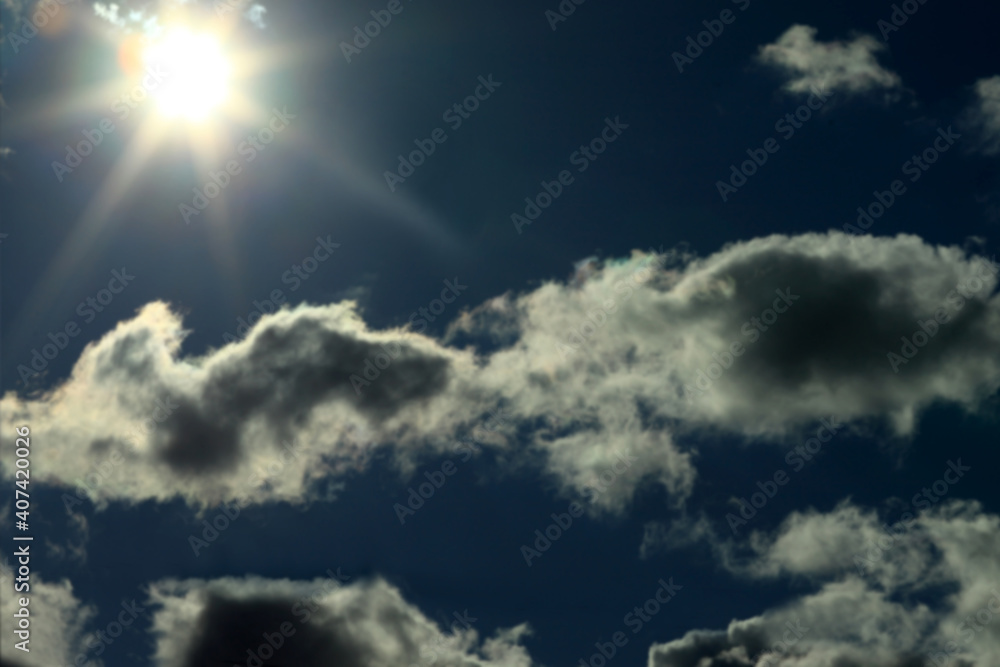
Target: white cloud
[(612, 367), (255, 14), (888, 612), (57, 619), (146, 16), (143, 423), (848, 66), (110, 13)]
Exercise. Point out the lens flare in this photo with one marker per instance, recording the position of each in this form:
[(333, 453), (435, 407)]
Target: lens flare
[(189, 74)]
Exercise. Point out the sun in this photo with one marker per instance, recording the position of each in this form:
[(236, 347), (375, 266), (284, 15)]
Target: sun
[(191, 74)]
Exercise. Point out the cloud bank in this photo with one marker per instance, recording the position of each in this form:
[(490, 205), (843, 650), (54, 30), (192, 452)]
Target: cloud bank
[(760, 340)]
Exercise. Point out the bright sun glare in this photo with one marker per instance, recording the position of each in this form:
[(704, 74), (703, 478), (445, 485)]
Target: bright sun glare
[(194, 74)]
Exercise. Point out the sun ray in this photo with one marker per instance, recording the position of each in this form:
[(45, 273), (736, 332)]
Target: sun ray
[(87, 230), (374, 192), (190, 110), (206, 122)]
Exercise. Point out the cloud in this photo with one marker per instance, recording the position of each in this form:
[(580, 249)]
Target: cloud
[(683, 532), (110, 13), (847, 66), (56, 622), (984, 115), (255, 14), (599, 377), (667, 345), (319, 622), (843, 624), (930, 594), (149, 15), (155, 425), (15, 7)]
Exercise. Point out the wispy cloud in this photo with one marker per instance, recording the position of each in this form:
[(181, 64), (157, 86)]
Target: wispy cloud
[(984, 115)]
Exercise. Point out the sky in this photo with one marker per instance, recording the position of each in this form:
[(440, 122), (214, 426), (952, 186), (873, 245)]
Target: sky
[(505, 334)]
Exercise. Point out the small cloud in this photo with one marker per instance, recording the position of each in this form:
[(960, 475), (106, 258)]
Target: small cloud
[(984, 115), (256, 16), (139, 15), (109, 13), (684, 532), (848, 66)]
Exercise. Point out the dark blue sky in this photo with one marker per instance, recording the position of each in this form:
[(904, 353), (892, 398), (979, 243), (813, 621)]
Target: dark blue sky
[(655, 187)]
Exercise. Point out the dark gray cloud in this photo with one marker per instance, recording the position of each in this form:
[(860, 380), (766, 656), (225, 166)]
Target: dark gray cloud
[(315, 624), (283, 373), (227, 629), (846, 318)]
